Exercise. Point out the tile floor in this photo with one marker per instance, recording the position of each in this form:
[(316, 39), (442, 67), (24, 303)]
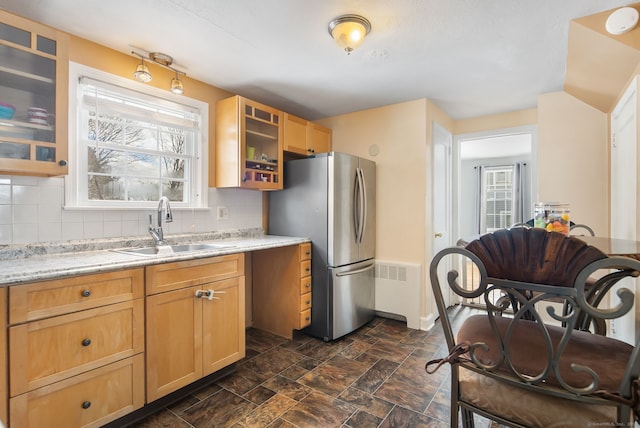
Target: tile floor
[(373, 377)]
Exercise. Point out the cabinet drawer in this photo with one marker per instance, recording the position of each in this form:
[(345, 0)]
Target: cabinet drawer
[(305, 251), (305, 285), (46, 351), (91, 399), (173, 276), (305, 301), (305, 268), (305, 319), (38, 300)]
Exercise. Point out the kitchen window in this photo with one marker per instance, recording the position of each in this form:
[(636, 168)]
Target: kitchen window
[(133, 143)]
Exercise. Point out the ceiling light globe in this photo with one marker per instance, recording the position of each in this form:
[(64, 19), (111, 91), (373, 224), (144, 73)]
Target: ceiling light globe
[(349, 31), (142, 73), (176, 86)]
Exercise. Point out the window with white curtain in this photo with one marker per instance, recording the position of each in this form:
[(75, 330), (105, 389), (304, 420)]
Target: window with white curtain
[(133, 143)]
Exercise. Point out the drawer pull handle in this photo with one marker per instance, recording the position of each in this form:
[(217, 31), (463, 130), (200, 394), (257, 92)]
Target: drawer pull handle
[(86, 293), (307, 269), (308, 285), (307, 302), (86, 405), (209, 294), (306, 318), (86, 342)]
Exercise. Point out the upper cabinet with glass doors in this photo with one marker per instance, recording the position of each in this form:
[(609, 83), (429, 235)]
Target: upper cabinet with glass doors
[(33, 98)]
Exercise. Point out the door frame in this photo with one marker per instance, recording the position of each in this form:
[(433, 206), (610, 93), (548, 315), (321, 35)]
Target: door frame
[(442, 204)]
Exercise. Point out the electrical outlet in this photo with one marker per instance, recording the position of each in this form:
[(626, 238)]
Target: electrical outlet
[(223, 213)]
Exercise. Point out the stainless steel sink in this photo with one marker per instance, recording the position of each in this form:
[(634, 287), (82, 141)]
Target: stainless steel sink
[(172, 249)]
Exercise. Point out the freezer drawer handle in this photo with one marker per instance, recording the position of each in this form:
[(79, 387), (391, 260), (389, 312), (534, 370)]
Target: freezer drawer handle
[(354, 272)]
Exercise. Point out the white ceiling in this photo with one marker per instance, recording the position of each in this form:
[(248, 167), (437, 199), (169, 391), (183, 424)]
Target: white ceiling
[(469, 57)]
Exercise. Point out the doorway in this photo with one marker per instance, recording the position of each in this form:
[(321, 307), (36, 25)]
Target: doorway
[(495, 185), (442, 198), (495, 179), (624, 175)]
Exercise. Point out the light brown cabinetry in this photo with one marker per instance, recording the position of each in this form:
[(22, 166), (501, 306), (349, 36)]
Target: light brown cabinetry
[(195, 320), (3, 357), (76, 349), (34, 80), (282, 286), (248, 150), (318, 138), (305, 138), (295, 134)]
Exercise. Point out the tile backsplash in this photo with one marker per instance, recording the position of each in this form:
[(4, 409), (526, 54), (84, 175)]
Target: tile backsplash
[(31, 211)]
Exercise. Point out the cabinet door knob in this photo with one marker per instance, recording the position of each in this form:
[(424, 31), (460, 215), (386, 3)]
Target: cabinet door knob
[(86, 342), (62, 162), (86, 293), (86, 404)]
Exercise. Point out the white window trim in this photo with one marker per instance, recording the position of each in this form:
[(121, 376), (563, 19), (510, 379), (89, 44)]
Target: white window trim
[(199, 181)]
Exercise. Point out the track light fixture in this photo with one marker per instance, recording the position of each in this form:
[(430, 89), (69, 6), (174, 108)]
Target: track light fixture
[(142, 73)]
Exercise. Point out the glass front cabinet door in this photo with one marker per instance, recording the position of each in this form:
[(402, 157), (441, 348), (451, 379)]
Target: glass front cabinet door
[(33, 98)]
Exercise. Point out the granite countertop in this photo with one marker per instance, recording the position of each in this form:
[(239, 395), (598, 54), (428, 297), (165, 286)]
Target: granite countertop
[(41, 262)]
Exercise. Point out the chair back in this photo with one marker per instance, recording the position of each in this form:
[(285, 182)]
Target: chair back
[(538, 353)]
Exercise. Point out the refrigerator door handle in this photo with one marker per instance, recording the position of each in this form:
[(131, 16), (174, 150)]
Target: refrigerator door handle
[(357, 207), (363, 212), (357, 271)]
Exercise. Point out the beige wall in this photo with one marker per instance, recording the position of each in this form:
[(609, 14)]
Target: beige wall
[(573, 158), (399, 132), (402, 134), (572, 166), (512, 119)]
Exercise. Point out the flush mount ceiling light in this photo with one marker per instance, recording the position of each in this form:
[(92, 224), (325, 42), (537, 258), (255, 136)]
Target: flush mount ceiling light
[(622, 21), (142, 73), (349, 31)]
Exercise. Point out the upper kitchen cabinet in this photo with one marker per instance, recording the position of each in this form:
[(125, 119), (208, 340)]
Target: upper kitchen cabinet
[(33, 98), (248, 150), (318, 138), (295, 134), (302, 137)]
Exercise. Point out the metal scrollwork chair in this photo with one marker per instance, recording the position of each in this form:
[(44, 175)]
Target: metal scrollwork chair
[(536, 368)]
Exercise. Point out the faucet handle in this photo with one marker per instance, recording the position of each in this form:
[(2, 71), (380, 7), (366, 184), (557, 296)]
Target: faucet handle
[(168, 217)]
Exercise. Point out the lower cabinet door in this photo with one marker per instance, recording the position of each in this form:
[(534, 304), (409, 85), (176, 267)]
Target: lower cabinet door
[(91, 399), (174, 330), (223, 317)]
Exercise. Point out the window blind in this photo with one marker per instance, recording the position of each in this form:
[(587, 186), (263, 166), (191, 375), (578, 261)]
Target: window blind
[(108, 99)]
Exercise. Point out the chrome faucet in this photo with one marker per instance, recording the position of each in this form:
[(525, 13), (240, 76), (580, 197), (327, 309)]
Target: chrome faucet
[(156, 232)]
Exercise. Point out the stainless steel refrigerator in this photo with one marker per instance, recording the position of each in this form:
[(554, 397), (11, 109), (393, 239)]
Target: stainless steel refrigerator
[(331, 198)]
